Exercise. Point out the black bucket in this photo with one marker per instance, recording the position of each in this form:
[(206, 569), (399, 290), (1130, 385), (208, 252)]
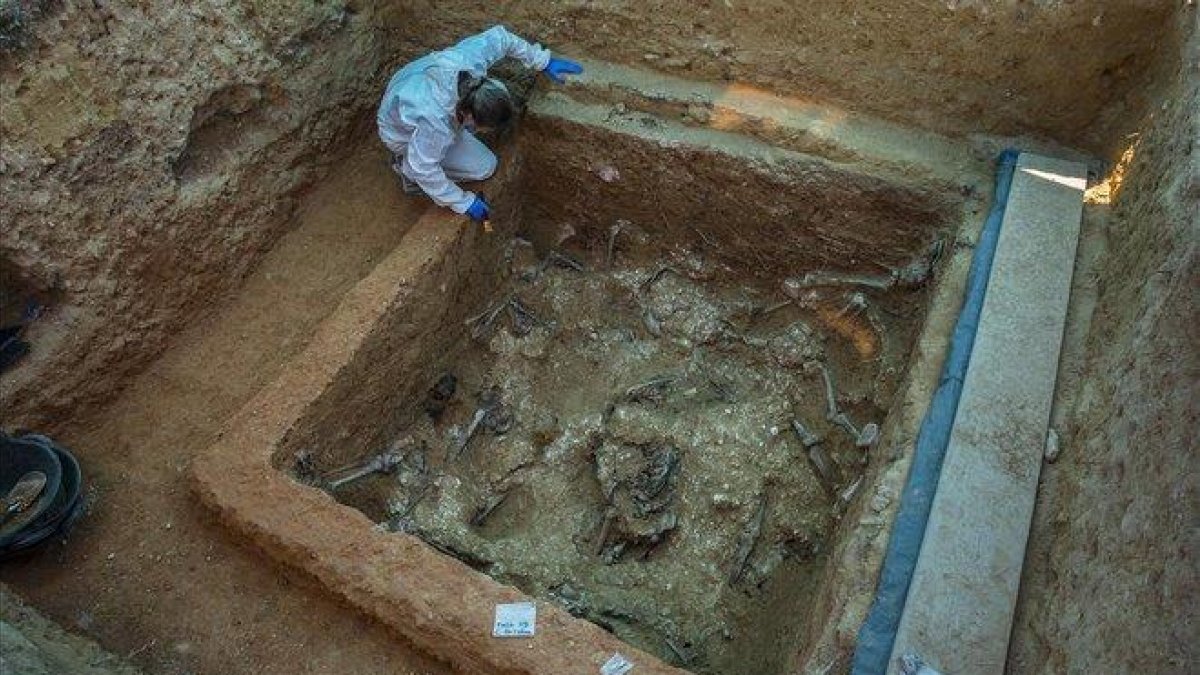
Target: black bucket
[(64, 505), (19, 456)]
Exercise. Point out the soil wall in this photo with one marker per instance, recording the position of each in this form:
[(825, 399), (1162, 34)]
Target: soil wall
[(1072, 71), (151, 152), (1111, 579)]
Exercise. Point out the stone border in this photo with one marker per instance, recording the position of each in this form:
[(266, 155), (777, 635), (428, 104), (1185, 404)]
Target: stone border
[(439, 604)]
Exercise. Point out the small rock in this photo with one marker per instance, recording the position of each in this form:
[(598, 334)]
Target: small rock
[(698, 113), (724, 502), (869, 436), (1052, 446), (880, 502), (608, 174)]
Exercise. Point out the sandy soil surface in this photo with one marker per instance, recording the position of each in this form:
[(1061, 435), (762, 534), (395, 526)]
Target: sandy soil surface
[(147, 573)]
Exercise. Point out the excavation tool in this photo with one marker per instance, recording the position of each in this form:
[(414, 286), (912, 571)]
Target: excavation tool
[(487, 222)]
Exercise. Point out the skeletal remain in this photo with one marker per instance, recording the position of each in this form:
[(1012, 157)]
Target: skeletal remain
[(523, 319), (765, 567), (610, 516), (656, 276), (869, 436), (384, 462), (439, 395), (555, 259), (855, 303), (655, 541), (759, 312), (917, 272), (911, 275), (482, 323), (306, 467), (847, 495), (685, 655), (613, 553), (831, 406), (794, 287), (842, 420), (510, 251), (472, 560), (483, 512), (724, 394), (571, 599), (649, 488), (823, 465), (864, 438), (807, 438), (472, 428), (564, 261), (400, 521), (747, 540), (612, 241), (650, 390), (491, 414), (651, 322)]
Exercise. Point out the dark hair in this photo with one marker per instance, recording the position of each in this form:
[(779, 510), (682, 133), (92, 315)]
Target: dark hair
[(486, 99)]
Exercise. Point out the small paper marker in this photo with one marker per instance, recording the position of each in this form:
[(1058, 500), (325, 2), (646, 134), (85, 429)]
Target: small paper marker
[(515, 620)]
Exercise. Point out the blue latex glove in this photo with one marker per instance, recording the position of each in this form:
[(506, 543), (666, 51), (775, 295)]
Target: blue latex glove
[(557, 68), (478, 210)]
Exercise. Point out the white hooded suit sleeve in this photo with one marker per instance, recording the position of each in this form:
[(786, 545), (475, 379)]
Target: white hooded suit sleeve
[(485, 49), (423, 165)]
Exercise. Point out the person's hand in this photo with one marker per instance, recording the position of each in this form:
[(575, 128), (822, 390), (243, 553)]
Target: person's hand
[(478, 210), (557, 68)]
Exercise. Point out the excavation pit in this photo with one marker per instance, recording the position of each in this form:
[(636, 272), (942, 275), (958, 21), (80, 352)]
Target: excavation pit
[(652, 399)]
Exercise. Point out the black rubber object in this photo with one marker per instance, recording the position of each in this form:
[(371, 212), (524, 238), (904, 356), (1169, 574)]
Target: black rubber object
[(18, 457), (64, 508)]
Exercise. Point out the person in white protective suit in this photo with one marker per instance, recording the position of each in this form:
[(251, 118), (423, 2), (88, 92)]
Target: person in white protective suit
[(432, 106)]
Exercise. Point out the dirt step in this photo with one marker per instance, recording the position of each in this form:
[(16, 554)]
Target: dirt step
[(820, 130)]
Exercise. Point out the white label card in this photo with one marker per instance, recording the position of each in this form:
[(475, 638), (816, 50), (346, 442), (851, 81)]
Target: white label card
[(617, 665), (515, 620)]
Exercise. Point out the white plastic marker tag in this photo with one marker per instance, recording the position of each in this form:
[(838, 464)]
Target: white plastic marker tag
[(617, 665), (515, 620)]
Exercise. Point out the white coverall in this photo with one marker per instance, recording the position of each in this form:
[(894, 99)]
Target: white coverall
[(417, 115)]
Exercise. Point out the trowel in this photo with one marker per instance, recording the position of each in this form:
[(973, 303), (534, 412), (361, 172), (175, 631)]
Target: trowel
[(487, 222)]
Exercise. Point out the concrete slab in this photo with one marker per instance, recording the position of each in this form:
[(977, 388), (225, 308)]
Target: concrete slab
[(960, 605)]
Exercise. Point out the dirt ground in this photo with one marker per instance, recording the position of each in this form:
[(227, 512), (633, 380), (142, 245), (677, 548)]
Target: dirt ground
[(102, 204), (146, 573), (683, 463), (1110, 578)]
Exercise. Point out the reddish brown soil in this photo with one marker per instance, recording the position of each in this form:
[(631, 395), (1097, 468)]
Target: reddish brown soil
[(147, 573)]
